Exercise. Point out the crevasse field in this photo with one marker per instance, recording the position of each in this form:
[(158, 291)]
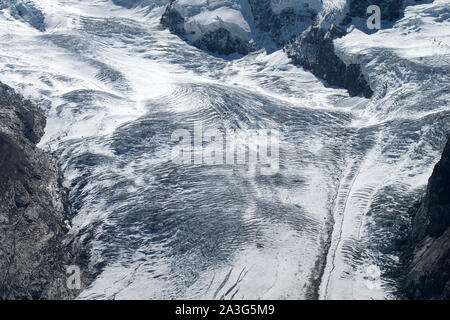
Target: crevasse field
[(116, 85)]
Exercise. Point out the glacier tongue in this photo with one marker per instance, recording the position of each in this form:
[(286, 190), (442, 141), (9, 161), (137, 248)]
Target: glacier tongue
[(409, 122), (116, 86)]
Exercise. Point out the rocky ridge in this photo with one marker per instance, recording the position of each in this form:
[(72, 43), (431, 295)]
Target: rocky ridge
[(428, 267), (34, 208)]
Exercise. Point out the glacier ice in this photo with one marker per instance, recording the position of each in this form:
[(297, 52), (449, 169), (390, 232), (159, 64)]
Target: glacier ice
[(115, 86)]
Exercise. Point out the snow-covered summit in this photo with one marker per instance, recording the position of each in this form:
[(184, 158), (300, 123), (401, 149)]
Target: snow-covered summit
[(202, 16), (247, 24)]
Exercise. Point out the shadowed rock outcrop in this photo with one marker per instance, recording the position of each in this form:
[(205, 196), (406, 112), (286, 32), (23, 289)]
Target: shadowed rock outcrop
[(429, 266), (218, 40), (34, 208), (283, 26), (173, 20), (314, 50), (268, 28), (390, 9), (221, 41)]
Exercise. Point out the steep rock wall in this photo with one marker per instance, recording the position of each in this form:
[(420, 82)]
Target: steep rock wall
[(34, 208), (429, 266)]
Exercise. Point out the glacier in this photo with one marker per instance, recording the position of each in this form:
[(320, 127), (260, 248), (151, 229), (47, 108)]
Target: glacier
[(115, 85)]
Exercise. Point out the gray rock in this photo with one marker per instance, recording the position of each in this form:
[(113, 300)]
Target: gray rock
[(34, 208), (314, 50), (221, 41), (429, 267), (149, 4), (173, 20), (390, 9), (278, 28), (306, 38), (218, 41), (281, 27)]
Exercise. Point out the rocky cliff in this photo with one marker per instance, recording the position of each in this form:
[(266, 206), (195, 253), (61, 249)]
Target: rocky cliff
[(306, 29), (429, 265), (238, 26), (218, 26), (314, 49), (34, 209)]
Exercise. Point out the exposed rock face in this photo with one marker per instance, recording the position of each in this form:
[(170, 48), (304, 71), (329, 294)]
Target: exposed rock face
[(280, 26), (390, 9), (429, 268), (173, 20), (220, 31), (311, 44), (236, 26), (305, 29), (147, 4), (314, 50), (221, 41), (34, 210)]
